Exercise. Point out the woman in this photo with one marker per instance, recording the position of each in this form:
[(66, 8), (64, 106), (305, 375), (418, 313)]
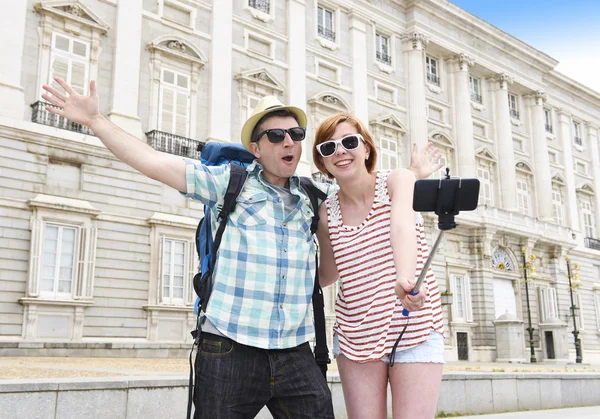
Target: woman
[(367, 240)]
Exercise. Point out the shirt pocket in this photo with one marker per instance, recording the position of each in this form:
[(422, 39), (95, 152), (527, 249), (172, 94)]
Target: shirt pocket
[(251, 210)]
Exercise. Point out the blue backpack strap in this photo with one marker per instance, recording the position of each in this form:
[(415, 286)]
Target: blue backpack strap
[(237, 179), (316, 196)]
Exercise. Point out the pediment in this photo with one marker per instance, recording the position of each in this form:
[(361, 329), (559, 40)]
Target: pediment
[(178, 47), (485, 153), (390, 121), (523, 166), (263, 77), (557, 178), (441, 139), (75, 11), (586, 189), (331, 101)]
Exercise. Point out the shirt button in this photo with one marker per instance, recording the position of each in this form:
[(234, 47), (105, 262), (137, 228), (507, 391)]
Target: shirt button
[(282, 276), (285, 250), (280, 305), (284, 225), (278, 199)]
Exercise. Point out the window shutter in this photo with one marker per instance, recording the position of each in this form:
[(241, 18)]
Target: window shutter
[(468, 302), (453, 290), (166, 110), (161, 245), (543, 292), (553, 305), (182, 112), (191, 271), (59, 68), (579, 303), (78, 72)]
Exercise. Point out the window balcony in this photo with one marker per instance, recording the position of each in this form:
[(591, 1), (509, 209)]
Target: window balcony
[(262, 5), (549, 128), (592, 243), (433, 79), (40, 115), (383, 57), (514, 113), (578, 141), (326, 33), (476, 97), (174, 144)]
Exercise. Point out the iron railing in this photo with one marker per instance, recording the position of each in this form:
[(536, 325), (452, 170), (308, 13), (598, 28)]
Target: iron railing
[(40, 115), (592, 243), (549, 128), (174, 144), (262, 5), (514, 113), (384, 58), (578, 141), (475, 97), (326, 33), (433, 79)]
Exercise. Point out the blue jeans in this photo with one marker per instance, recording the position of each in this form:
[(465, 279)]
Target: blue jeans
[(237, 381)]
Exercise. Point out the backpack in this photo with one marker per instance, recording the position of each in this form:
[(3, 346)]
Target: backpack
[(207, 245)]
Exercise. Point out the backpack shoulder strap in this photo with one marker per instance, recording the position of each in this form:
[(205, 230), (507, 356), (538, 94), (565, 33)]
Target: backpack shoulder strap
[(316, 196)]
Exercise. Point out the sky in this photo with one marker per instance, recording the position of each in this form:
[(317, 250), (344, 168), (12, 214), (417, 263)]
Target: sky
[(566, 30)]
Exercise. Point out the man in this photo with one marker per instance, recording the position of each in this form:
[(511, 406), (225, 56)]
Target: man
[(254, 350)]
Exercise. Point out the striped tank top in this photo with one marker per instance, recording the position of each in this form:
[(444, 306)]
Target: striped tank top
[(368, 313)]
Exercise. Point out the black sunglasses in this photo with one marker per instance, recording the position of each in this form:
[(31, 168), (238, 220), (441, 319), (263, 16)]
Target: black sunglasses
[(277, 135), (349, 142)]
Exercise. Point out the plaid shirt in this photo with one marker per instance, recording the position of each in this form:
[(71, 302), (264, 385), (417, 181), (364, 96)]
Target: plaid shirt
[(265, 269)]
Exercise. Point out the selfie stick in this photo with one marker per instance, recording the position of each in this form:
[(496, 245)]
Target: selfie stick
[(445, 222)]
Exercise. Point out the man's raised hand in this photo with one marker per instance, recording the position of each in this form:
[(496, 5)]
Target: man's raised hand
[(75, 107)]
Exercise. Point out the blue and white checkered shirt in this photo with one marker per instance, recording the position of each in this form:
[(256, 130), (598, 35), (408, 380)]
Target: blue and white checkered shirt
[(265, 269)]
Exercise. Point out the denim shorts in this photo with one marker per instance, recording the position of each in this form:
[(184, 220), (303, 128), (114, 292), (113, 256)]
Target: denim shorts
[(430, 351)]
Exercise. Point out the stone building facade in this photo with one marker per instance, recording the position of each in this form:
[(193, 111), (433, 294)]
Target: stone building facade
[(94, 255)]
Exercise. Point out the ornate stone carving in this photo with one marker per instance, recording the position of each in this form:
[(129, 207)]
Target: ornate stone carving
[(262, 77), (501, 260), (418, 40), (464, 62), (75, 10), (505, 80), (176, 45), (330, 100)]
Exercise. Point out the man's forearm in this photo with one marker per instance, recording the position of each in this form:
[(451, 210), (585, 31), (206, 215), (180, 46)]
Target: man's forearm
[(167, 169)]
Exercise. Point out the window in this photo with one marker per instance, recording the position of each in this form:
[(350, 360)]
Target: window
[(475, 87), (444, 162), (485, 191), (461, 308), (326, 22), (433, 75), (548, 303), (252, 102), (388, 154), (69, 60), (558, 205), (513, 106), (383, 49), (588, 219), (578, 301), (173, 271), (548, 120), (577, 133), (262, 5), (174, 103), (597, 305), (58, 261), (523, 197)]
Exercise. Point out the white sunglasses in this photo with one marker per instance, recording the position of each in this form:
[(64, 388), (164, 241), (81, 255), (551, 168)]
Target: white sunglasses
[(349, 142)]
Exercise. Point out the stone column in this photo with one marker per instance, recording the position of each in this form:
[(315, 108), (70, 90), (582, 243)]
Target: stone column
[(12, 24), (566, 137), (358, 35), (541, 161), (463, 120), (296, 86), (221, 74), (503, 129), (414, 47), (592, 143), (126, 70)]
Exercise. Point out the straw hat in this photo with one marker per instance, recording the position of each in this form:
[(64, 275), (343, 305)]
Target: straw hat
[(267, 105)]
